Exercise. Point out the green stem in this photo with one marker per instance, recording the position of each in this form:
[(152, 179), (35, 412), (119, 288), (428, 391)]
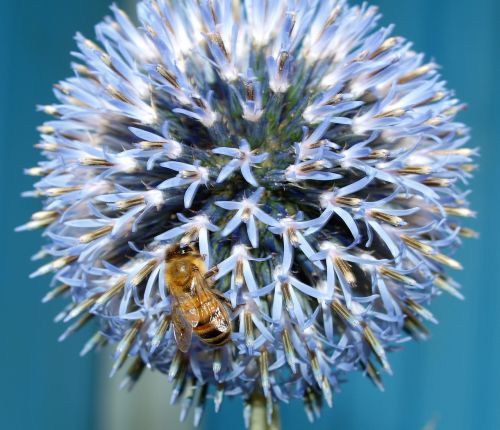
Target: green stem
[(258, 418)]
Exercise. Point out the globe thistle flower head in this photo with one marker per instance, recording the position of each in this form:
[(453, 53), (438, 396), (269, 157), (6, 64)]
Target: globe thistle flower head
[(308, 158)]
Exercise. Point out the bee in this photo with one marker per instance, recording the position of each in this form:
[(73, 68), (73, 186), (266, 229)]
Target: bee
[(196, 307)]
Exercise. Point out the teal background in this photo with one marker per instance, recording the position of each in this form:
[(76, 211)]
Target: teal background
[(452, 381)]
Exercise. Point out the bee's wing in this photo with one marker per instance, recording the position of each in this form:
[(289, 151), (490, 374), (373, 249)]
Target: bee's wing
[(189, 305), (183, 330), (200, 287), (204, 291), (219, 317), (222, 298)]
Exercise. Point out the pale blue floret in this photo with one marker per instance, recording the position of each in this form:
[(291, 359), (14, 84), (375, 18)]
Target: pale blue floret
[(243, 159), (290, 230), (282, 277), (239, 255), (247, 211), (193, 175), (329, 253)]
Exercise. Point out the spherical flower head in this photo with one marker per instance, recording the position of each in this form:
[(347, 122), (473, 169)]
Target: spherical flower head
[(305, 164)]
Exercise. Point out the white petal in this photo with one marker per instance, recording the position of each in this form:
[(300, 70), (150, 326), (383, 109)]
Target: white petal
[(349, 221), (262, 328), (226, 266), (265, 218), (244, 146), (252, 232), (173, 183), (346, 288), (321, 176), (297, 308), (235, 221), (122, 221), (264, 290), (287, 253), (330, 275), (230, 206), (190, 193), (277, 304), (306, 289), (328, 322), (385, 238), (170, 234), (177, 165), (308, 250), (255, 197), (86, 223), (355, 186), (318, 132), (146, 135), (340, 120), (248, 275), (161, 282), (125, 302), (256, 159), (204, 245), (149, 286), (247, 174), (227, 170), (230, 152), (188, 113), (322, 220)]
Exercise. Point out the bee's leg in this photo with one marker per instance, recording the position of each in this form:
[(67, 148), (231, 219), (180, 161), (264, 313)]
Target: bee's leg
[(211, 272), (237, 311)]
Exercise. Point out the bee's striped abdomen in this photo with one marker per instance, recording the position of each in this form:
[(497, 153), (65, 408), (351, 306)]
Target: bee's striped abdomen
[(214, 327), (211, 335)]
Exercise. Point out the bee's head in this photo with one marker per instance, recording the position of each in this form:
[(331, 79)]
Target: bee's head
[(179, 250)]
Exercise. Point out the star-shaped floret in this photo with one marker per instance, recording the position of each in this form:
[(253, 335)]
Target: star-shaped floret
[(243, 158), (192, 174), (247, 211)]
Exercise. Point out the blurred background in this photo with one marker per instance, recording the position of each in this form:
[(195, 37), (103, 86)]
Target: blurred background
[(449, 382)]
